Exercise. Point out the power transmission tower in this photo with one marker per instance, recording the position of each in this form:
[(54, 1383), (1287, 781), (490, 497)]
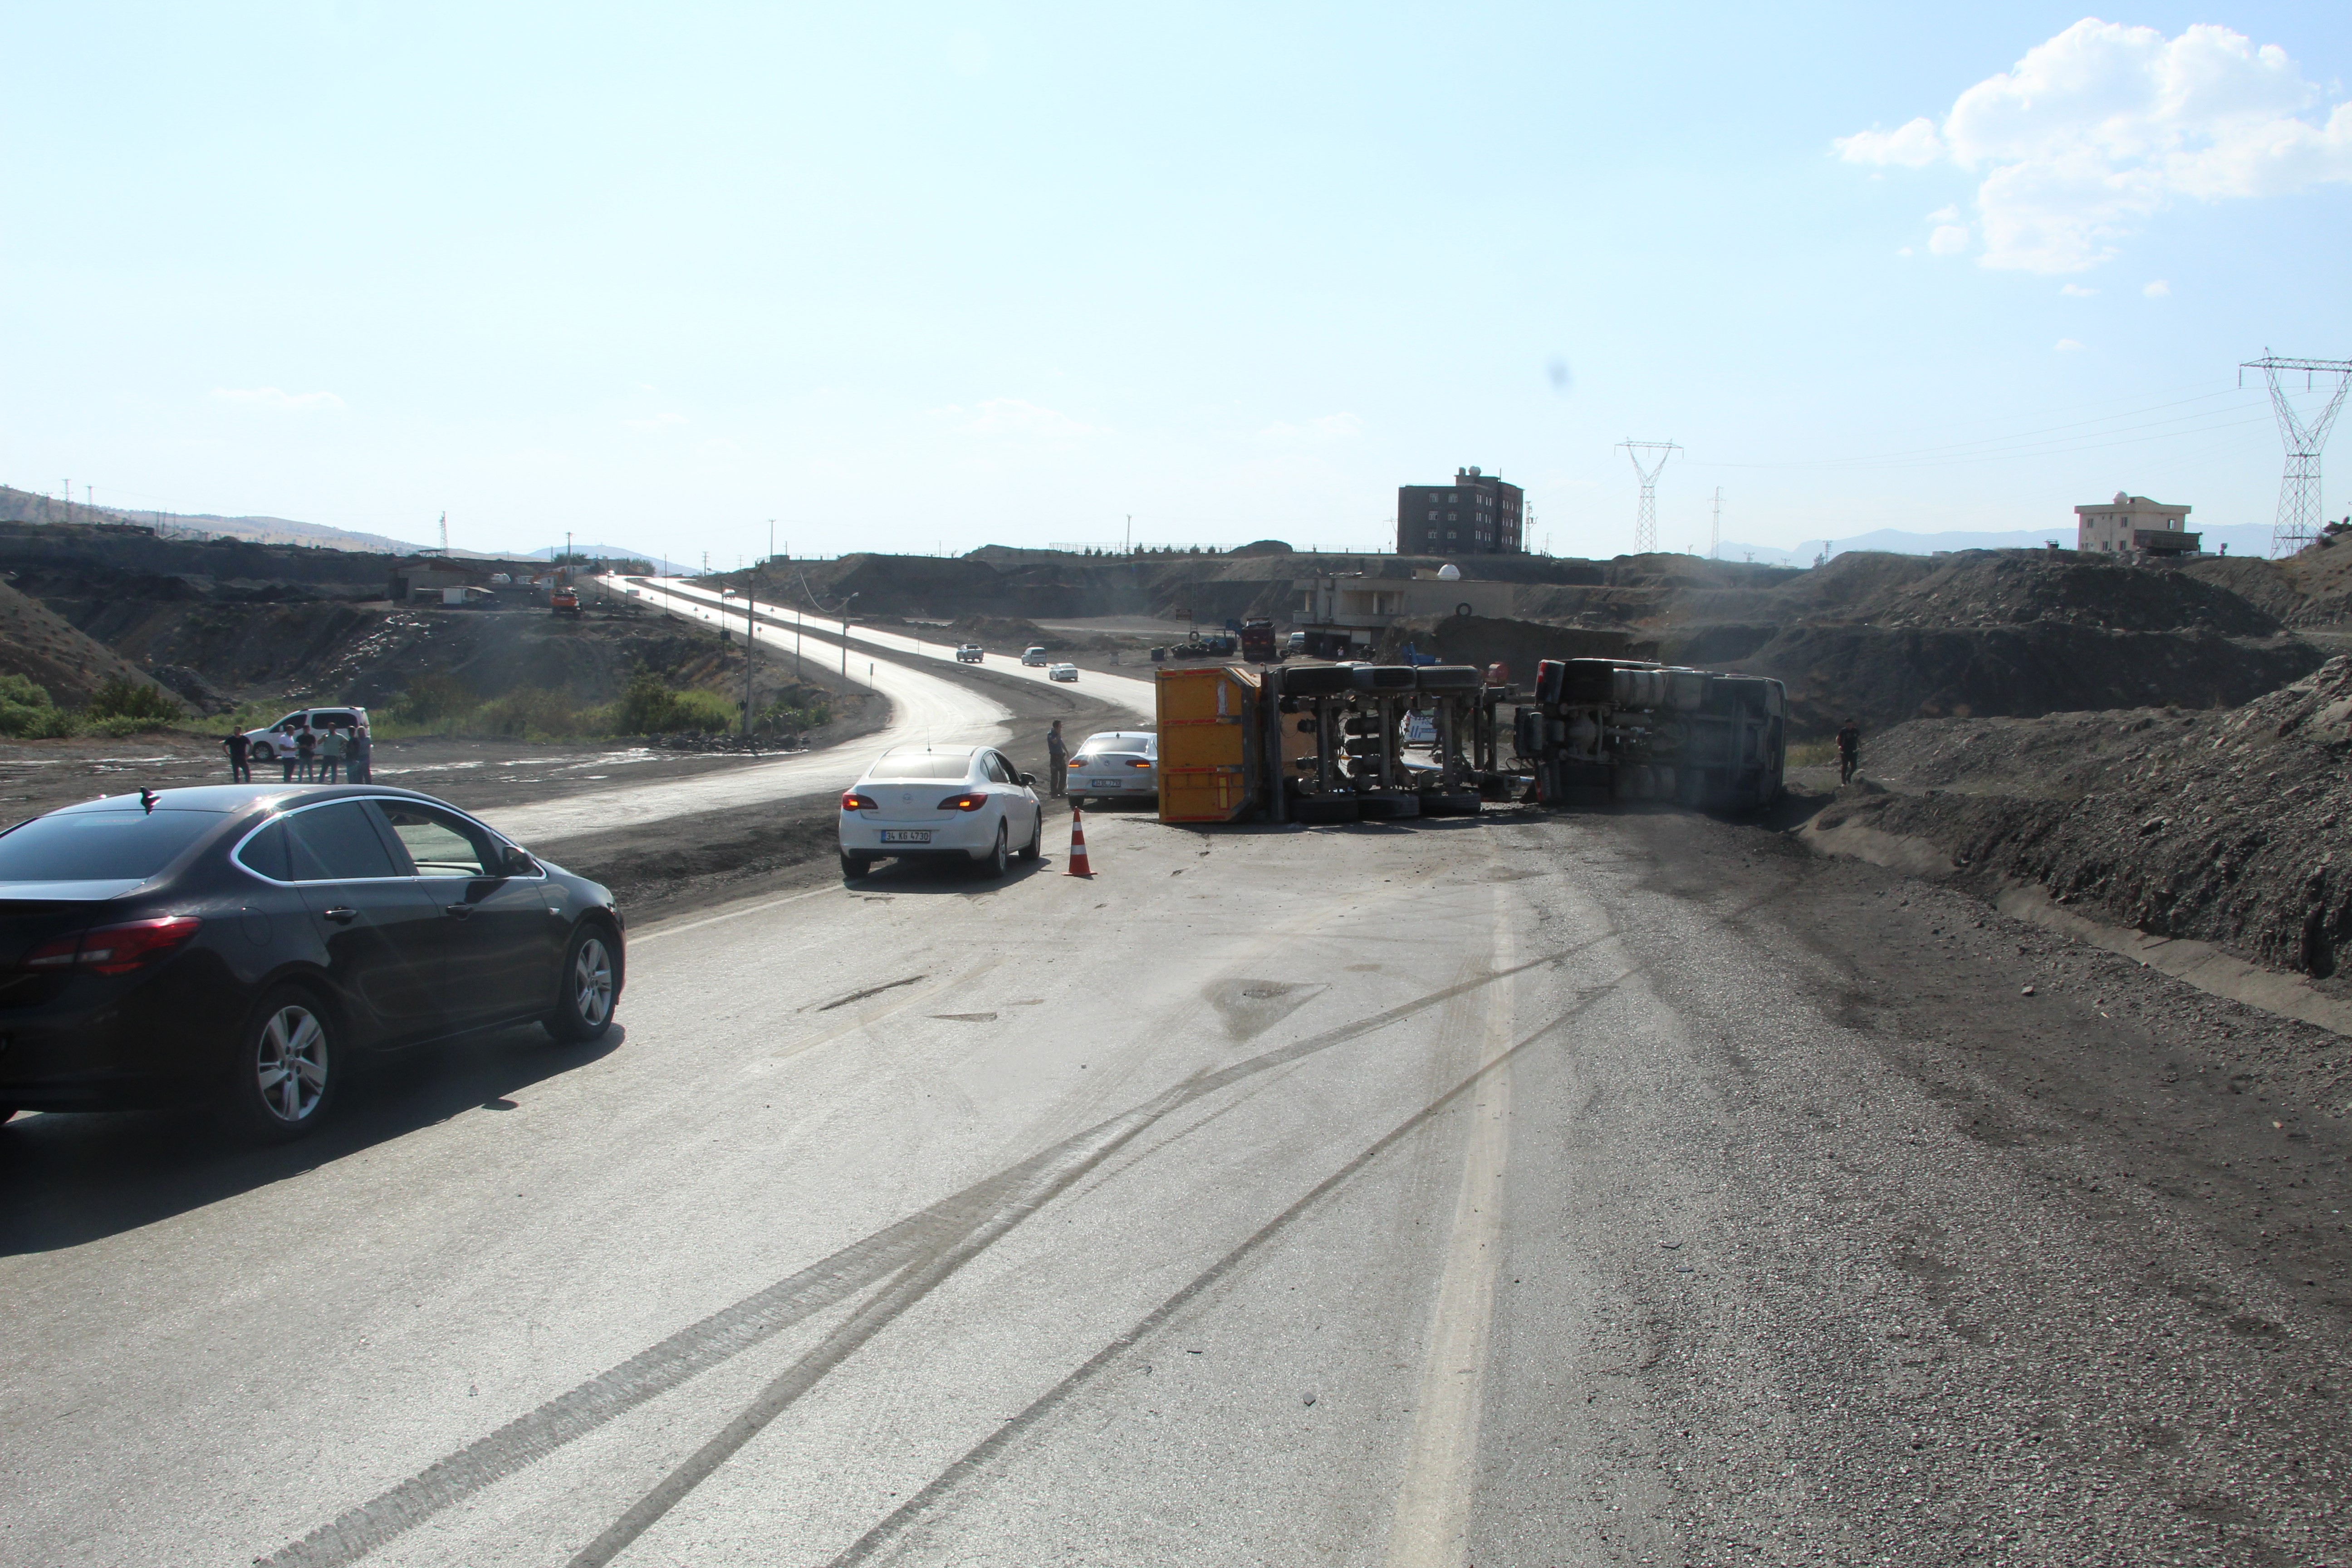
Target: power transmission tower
[(1715, 532), (1645, 521), (2298, 507), (445, 533)]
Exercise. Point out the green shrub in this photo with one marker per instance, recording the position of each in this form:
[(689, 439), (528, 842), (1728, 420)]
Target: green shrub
[(648, 707), (119, 728), (125, 698), (430, 698), (27, 714)]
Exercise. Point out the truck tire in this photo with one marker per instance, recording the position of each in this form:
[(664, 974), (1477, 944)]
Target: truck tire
[(1323, 810), (1319, 679), (1388, 807), (1435, 803), (1449, 677), (1384, 676)]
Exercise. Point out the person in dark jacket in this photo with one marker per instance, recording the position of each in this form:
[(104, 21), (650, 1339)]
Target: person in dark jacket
[(306, 753), (1849, 740), (240, 758), (355, 765), (1057, 761)]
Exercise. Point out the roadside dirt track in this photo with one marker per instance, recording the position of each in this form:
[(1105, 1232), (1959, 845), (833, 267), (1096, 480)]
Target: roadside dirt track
[(1517, 1190)]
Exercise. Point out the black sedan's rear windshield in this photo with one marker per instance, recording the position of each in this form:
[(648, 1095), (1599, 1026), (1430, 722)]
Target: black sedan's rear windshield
[(921, 765), (100, 845)]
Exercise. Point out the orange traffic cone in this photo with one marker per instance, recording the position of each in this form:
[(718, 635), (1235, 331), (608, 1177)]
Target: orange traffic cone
[(1077, 866)]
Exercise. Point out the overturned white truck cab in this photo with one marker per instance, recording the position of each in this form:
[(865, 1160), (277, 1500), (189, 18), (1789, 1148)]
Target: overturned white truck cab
[(1613, 729)]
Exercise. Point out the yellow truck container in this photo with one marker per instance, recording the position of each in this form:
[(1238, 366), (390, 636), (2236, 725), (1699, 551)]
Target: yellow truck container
[(1208, 744)]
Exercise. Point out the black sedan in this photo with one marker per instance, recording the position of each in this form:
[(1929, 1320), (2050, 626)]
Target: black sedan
[(247, 941)]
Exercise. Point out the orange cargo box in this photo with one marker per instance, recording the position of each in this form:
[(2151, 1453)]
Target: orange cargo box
[(1208, 743)]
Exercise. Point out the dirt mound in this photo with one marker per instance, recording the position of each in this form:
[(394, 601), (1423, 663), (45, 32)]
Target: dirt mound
[(40, 645), (1483, 641), (2232, 828), (2011, 587), (1885, 676), (2313, 588)]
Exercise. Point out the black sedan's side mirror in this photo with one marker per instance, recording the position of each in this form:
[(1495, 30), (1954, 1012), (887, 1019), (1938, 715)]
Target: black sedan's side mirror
[(1029, 779), (518, 863)]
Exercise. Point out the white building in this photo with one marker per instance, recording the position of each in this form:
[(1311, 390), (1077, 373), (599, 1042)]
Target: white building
[(2132, 523)]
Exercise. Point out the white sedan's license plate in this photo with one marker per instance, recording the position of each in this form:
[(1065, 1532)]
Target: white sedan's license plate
[(1105, 784), (906, 836)]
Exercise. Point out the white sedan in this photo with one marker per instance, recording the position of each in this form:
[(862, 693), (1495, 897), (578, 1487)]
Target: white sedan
[(1117, 764), (1062, 672), (966, 805)]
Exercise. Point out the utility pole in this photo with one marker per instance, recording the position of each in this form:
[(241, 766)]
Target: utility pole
[(1714, 534), (1130, 533), (751, 647), (68, 493), (445, 533), (771, 538)]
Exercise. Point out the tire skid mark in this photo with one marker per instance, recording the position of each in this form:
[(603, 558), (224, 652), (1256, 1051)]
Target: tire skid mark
[(905, 1515), (915, 1255)]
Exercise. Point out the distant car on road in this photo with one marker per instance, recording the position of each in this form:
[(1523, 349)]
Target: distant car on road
[(1037, 657), (277, 741), (963, 804), (1062, 672), (970, 653), (1117, 764), (253, 943)]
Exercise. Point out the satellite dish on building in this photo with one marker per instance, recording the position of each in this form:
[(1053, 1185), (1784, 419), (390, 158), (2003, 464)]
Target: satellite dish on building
[(1449, 572)]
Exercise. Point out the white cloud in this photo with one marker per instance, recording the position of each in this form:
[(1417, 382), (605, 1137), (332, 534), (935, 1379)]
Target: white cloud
[(1947, 214), (1904, 251), (2157, 290), (1914, 145), (2068, 346), (659, 422), (276, 398), (1015, 417), (1950, 240), (2076, 292), (2101, 128)]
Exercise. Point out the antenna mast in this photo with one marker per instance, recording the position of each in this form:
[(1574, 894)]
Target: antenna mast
[(445, 533), (1715, 534), (2298, 507), (1645, 519)]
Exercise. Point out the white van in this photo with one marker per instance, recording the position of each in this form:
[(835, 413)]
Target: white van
[(1035, 657), (277, 741)]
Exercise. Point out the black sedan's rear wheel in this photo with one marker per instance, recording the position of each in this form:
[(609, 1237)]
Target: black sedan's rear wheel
[(288, 1068), (590, 985)]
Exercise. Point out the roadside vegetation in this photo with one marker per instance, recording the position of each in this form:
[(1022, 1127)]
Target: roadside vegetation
[(117, 708), (440, 705)]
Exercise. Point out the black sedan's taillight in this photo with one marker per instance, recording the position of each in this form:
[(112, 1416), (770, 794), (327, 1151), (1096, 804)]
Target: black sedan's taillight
[(116, 949)]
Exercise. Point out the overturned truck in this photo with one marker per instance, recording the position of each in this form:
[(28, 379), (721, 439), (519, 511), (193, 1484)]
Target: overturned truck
[(1348, 742), (1605, 729)]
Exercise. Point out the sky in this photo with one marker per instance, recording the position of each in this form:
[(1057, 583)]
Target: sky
[(923, 277)]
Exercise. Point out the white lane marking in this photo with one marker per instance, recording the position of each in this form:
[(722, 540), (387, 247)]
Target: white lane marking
[(1431, 1527)]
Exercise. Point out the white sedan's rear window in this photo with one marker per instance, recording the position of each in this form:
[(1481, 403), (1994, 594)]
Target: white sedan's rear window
[(921, 765)]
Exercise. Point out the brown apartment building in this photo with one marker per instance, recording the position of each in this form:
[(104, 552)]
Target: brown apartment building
[(1477, 515)]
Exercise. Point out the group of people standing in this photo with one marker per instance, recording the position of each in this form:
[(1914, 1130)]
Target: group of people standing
[(328, 754)]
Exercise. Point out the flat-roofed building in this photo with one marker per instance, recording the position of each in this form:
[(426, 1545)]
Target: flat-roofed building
[(1477, 515), (2130, 523)]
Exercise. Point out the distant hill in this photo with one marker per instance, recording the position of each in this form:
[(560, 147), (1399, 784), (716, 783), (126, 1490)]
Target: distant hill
[(2243, 539), (23, 505)]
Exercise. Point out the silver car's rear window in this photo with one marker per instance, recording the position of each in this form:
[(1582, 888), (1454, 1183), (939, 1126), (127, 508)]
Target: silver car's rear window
[(920, 765)]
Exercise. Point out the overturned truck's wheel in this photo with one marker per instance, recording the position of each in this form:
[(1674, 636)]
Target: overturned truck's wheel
[(1437, 802), (1320, 811)]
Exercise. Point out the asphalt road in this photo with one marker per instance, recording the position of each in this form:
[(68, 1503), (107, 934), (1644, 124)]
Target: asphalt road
[(926, 708), (1517, 1190)]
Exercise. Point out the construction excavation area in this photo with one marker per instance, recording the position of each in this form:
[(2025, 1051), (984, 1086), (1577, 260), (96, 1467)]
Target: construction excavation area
[(1508, 1052)]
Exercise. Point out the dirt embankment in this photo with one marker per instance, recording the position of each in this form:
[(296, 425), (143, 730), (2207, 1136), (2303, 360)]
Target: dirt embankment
[(2230, 827), (42, 646)]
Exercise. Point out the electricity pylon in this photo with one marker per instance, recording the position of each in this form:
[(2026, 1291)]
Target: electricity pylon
[(1715, 530), (1645, 521), (2298, 509)]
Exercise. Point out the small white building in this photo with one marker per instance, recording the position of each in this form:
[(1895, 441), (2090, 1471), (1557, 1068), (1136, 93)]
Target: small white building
[(2130, 522)]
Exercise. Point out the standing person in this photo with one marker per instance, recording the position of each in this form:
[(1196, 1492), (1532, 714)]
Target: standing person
[(285, 757), (240, 757), (357, 767), (306, 753), (1849, 741), (1057, 761), (330, 754)]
